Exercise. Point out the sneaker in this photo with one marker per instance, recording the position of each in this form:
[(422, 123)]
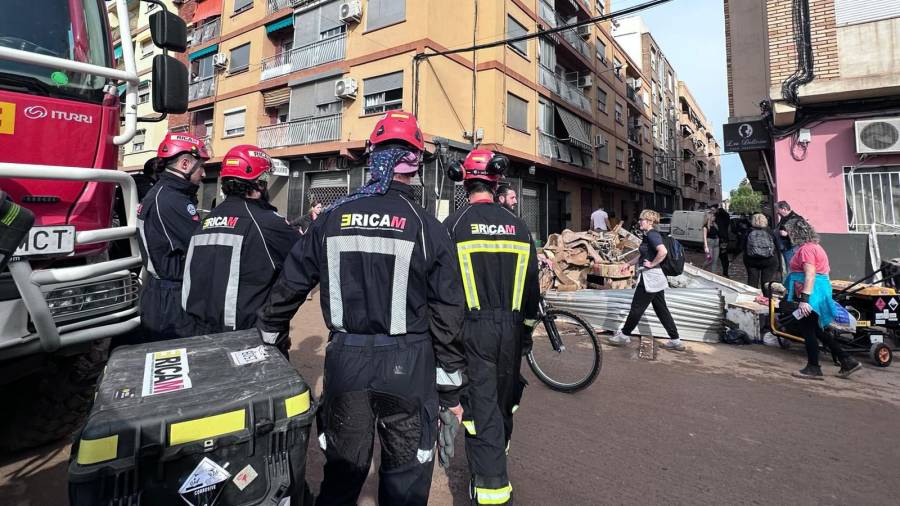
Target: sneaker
[(849, 367), (809, 372), (673, 345), (618, 339)]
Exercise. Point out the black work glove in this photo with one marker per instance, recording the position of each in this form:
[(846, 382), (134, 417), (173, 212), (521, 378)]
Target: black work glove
[(449, 427), (527, 342)]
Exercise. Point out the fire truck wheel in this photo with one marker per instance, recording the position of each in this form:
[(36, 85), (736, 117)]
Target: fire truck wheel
[(52, 404)]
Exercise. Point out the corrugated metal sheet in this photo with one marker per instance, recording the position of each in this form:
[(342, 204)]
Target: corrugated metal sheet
[(699, 313), (849, 12)]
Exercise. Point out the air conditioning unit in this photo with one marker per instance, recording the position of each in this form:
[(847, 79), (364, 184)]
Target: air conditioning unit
[(584, 31), (220, 60), (586, 81), (600, 141), (345, 88), (878, 136), (351, 12)]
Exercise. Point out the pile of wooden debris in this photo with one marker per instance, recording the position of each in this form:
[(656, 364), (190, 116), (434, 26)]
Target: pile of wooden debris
[(590, 260)]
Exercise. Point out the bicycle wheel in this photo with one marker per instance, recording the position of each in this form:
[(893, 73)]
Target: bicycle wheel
[(579, 360)]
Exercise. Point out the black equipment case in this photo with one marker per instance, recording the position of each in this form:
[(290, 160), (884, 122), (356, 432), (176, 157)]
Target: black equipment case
[(218, 419)]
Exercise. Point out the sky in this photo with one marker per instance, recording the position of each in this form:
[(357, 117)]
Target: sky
[(691, 33)]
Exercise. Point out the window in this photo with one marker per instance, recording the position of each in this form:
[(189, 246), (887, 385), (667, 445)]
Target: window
[(242, 5), (240, 59), (313, 100), (873, 197), (146, 48), (601, 6), (620, 118), (137, 143), (617, 68), (653, 59), (144, 92), (601, 52), (234, 122), (383, 93), (647, 172), (516, 29), (330, 33), (602, 148), (516, 113), (620, 158), (601, 99), (646, 132), (670, 82), (202, 67), (382, 13)]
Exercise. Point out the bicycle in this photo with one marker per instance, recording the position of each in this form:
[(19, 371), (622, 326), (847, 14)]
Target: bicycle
[(566, 354)]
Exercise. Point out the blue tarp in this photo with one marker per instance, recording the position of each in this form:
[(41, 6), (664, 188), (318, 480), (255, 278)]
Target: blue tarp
[(117, 51), (203, 52)]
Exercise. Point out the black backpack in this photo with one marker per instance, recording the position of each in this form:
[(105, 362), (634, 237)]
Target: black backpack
[(760, 245), (673, 264)]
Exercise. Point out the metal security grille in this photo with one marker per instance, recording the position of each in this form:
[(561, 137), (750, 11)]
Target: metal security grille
[(459, 197), (327, 187), (873, 197), (296, 205), (531, 210)]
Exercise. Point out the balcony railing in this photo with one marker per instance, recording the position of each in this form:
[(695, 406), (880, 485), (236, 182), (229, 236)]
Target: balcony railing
[(575, 40), (547, 13), (304, 131), (564, 89), (202, 88), (305, 57), (277, 5), (201, 34), (551, 147)]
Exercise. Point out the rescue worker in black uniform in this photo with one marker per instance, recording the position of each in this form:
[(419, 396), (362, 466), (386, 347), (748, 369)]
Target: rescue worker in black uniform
[(167, 218), (392, 301), (499, 271), (236, 255)]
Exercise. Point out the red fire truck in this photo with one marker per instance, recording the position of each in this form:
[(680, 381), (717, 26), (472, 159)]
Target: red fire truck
[(67, 291)]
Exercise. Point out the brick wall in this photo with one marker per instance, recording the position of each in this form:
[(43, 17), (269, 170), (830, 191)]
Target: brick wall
[(782, 49), (728, 60), (186, 12)]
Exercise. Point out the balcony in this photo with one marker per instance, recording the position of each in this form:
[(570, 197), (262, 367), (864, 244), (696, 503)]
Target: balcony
[(299, 132), (202, 88), (564, 89), (305, 57), (634, 134), (551, 147), (204, 33), (550, 16), (277, 5)]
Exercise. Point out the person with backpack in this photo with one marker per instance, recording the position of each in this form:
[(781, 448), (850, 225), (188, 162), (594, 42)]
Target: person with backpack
[(760, 254), (653, 283)]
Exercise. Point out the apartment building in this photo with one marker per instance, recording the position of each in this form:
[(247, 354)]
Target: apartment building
[(819, 128), (149, 134), (308, 79), (700, 153)]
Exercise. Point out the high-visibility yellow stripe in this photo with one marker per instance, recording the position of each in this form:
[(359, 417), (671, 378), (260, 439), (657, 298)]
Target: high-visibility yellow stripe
[(208, 427), (470, 426), (92, 451), (297, 404), (465, 250), (493, 495)]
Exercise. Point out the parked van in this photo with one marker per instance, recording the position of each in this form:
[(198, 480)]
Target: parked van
[(687, 227)]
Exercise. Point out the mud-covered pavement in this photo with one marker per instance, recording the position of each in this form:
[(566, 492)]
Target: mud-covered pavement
[(714, 425)]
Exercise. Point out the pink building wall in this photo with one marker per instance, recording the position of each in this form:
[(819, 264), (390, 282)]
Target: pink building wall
[(815, 186)]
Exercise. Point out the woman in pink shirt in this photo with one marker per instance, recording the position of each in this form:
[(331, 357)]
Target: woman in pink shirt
[(809, 285)]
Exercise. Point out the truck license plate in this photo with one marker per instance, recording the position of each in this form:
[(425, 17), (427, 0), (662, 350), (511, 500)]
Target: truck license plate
[(55, 240)]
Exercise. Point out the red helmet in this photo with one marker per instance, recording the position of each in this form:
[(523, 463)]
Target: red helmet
[(481, 164), (398, 126), (246, 162), (175, 144)]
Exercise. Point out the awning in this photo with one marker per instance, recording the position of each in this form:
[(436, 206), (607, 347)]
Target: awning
[(274, 26), (206, 9), (577, 135), (117, 51), (203, 52), (276, 98)]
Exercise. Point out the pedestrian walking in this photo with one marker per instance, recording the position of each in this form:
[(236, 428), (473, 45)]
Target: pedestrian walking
[(304, 222), (506, 197), (761, 257), (809, 286), (651, 287), (788, 218), (237, 254), (600, 220), (711, 242), (166, 219), (723, 223), (498, 267), (393, 304)]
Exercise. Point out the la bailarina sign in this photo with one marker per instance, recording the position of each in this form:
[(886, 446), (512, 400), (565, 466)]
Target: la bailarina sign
[(746, 136)]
